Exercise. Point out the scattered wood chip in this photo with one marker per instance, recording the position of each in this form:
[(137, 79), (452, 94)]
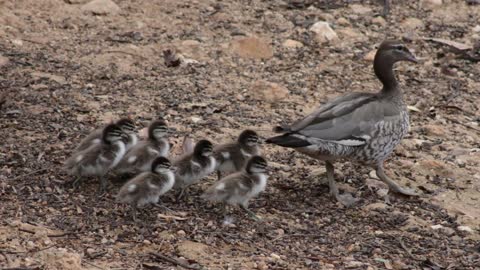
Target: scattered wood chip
[(171, 217), (413, 108), (454, 44)]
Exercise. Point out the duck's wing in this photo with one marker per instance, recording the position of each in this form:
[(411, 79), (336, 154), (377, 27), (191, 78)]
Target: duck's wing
[(348, 120)]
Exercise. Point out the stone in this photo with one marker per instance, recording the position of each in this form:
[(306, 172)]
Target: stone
[(412, 23), (343, 22), (376, 206), (379, 21), (3, 61), (101, 7), (360, 9), (435, 167), (268, 91), (353, 264), (350, 34), (434, 130), (252, 47), (431, 3), (370, 56), (60, 258), (323, 32), (476, 29), (290, 43), (465, 229)]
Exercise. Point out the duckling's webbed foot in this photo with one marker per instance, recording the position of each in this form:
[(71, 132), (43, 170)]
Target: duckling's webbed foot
[(76, 183), (250, 213), (182, 193), (394, 187)]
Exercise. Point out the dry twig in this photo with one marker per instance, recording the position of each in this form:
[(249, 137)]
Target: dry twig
[(174, 261)]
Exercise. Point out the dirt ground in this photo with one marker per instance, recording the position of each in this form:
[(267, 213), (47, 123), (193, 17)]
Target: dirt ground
[(67, 67)]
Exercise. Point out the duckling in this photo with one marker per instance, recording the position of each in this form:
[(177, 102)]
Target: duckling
[(360, 127), (128, 126), (95, 137), (147, 187), (240, 187), (99, 158), (140, 157), (232, 157), (194, 166)]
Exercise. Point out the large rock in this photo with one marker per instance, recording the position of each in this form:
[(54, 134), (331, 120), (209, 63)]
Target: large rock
[(101, 7), (252, 47), (323, 32), (268, 91)]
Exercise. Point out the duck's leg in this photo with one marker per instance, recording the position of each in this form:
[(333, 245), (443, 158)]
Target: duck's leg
[(386, 8), (391, 184), (346, 199)]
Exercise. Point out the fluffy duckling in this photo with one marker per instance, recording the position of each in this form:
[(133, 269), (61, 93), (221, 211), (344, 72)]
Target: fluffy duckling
[(232, 157), (240, 187), (95, 137), (194, 166), (140, 157), (147, 187), (99, 158)]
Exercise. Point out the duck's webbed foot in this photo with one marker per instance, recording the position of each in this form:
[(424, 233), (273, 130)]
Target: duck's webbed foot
[(394, 187)]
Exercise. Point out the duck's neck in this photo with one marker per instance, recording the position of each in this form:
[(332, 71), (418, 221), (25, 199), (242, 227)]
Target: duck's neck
[(384, 72)]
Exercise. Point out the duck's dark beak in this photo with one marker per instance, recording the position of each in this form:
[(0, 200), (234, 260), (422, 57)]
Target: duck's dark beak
[(410, 57)]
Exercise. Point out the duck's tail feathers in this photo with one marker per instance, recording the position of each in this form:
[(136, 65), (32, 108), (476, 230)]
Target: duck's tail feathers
[(288, 140)]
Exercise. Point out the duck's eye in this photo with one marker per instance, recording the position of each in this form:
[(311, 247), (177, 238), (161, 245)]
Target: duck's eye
[(400, 48)]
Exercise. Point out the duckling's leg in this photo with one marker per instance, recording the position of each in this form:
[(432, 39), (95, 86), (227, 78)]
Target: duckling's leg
[(76, 182), (159, 205), (252, 214), (386, 8), (391, 184), (103, 186), (134, 212), (346, 199), (219, 174), (182, 193)]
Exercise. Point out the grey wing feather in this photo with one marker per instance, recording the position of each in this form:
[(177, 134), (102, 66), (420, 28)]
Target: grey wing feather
[(352, 116)]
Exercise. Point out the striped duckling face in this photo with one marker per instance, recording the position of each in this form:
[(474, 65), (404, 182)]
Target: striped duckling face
[(203, 148), (249, 138), (161, 165), (127, 125), (257, 164), (113, 133), (157, 130)]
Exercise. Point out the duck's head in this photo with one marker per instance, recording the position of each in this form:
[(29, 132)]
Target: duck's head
[(392, 51)]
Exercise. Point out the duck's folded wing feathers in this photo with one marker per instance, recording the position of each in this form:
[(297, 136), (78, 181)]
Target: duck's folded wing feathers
[(348, 120)]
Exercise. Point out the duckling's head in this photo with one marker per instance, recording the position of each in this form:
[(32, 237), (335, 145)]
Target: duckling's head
[(161, 165), (256, 164), (127, 125), (249, 138), (392, 51), (113, 133), (157, 130), (203, 148)]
